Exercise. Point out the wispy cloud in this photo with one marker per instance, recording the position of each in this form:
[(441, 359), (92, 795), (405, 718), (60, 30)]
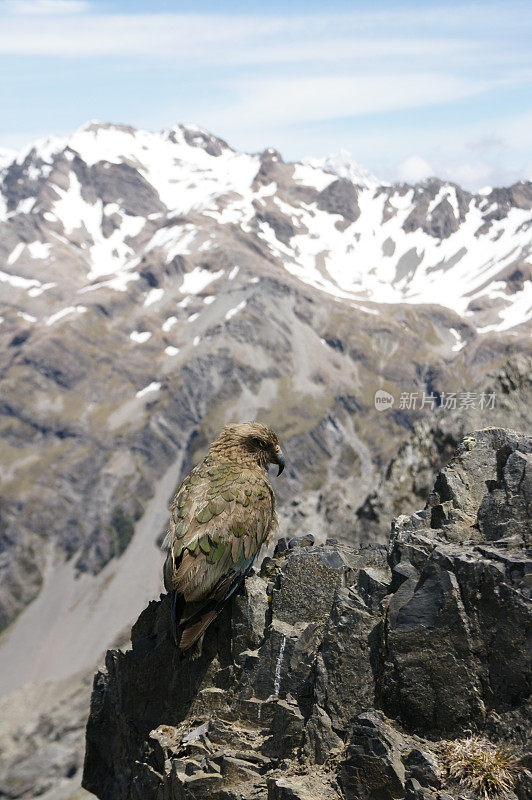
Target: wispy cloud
[(44, 7), (209, 38), (299, 100)]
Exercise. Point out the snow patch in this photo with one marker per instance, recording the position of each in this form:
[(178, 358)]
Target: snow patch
[(195, 281), (169, 323), (170, 164), (15, 254), (6, 157), (25, 206), (140, 336), (457, 346), (18, 282), (38, 290), (154, 386), (118, 283), (233, 311), (27, 317), (39, 250), (153, 296), (65, 312), (312, 174)]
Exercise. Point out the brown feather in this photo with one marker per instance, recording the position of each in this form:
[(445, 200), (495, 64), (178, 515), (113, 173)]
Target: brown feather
[(190, 635)]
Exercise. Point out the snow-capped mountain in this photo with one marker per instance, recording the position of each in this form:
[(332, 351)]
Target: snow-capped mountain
[(6, 157), (108, 196), (344, 165)]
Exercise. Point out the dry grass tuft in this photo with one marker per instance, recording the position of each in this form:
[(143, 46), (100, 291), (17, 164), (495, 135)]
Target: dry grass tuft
[(481, 766)]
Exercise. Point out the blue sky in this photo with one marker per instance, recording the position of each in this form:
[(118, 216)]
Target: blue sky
[(410, 89)]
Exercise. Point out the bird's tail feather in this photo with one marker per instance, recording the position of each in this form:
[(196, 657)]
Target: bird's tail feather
[(191, 620), (191, 634)]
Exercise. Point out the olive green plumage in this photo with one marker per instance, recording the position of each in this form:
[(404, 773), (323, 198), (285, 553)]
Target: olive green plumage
[(221, 515)]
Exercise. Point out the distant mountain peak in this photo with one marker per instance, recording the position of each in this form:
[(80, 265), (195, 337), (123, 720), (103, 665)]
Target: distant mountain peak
[(343, 164), (96, 125), (195, 136), (7, 156)]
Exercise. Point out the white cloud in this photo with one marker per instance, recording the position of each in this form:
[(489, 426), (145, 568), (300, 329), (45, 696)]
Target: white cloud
[(414, 169), (182, 37), (45, 7), (470, 174), (208, 38), (282, 101)]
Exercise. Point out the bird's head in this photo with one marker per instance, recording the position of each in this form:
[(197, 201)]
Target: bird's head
[(249, 443)]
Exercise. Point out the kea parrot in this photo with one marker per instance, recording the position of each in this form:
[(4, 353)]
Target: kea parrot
[(221, 515)]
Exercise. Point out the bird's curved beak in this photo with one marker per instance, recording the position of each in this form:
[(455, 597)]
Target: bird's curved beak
[(279, 459)]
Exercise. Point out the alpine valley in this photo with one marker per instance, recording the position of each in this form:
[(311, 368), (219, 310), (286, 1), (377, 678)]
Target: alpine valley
[(155, 286)]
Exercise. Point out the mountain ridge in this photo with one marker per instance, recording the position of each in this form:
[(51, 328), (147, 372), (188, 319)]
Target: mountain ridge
[(428, 230)]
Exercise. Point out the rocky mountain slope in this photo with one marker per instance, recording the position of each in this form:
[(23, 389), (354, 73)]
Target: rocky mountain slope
[(155, 286), (342, 672)]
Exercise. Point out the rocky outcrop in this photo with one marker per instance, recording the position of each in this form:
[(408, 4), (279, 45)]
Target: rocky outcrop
[(406, 480), (338, 672), (340, 197)]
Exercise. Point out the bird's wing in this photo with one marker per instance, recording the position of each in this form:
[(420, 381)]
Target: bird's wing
[(221, 516)]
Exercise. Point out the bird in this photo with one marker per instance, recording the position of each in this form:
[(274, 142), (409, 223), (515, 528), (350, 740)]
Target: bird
[(221, 515)]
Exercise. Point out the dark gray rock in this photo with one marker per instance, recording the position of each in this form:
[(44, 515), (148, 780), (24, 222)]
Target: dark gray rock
[(321, 742), (196, 137), (287, 726), (423, 767), (117, 183), (455, 628), (344, 678), (249, 697), (505, 510), (430, 677), (249, 619), (414, 791), (340, 197), (373, 769), (523, 785), (281, 225)]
